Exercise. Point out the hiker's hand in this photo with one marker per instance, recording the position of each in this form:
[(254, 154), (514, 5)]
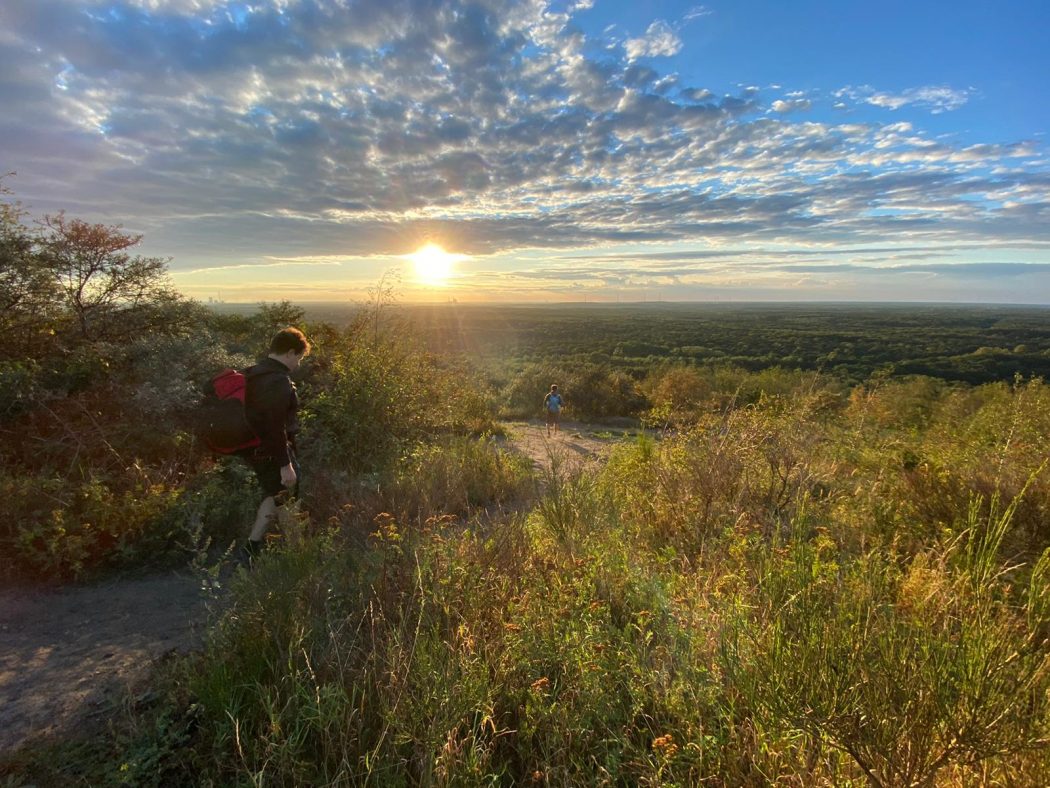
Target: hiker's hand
[(288, 477)]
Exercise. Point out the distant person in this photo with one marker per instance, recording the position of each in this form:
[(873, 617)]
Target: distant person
[(552, 405), (271, 405)]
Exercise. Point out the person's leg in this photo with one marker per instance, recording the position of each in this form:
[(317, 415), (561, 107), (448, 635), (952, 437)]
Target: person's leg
[(268, 474), (264, 518)]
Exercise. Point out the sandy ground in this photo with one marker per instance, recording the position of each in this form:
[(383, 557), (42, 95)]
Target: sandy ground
[(576, 443), (68, 656)]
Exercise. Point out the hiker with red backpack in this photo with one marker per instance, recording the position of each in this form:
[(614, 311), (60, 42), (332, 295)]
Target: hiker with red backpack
[(253, 415), (271, 405)]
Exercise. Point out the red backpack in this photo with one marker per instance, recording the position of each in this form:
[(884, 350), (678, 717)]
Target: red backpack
[(222, 422)]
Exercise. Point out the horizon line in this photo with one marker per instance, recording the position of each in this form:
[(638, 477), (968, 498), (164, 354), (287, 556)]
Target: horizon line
[(676, 302)]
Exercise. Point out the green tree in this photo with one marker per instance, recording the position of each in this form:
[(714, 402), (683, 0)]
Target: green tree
[(28, 292), (272, 318), (110, 294)]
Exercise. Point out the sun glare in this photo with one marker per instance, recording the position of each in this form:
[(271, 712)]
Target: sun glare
[(433, 264)]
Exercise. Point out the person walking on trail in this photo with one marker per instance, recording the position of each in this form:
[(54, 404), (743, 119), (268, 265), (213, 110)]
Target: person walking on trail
[(552, 405), (271, 405)]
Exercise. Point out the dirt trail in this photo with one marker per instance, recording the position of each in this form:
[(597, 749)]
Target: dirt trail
[(576, 442), (68, 655)]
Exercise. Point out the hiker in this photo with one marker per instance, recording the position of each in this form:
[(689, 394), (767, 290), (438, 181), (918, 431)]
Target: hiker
[(270, 403), (552, 404)]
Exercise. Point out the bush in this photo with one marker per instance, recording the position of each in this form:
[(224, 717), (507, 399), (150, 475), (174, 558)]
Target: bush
[(19, 387), (56, 528), (744, 470), (680, 395), (592, 392), (375, 402), (908, 671), (454, 476), (165, 376), (615, 633)]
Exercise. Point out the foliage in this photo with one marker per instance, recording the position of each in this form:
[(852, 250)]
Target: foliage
[(592, 392), (681, 396), (66, 283), (58, 529), (742, 602), (19, 387), (108, 293), (28, 289), (454, 476), (852, 342), (377, 401), (941, 654)]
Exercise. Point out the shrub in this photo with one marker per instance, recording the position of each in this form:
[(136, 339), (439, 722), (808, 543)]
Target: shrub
[(455, 475), (899, 404), (164, 376), (680, 395), (572, 645), (745, 469), (592, 392), (907, 670), (375, 402), (19, 387), (57, 528)]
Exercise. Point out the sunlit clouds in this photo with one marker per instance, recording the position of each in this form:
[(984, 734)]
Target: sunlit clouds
[(246, 140), (659, 40)]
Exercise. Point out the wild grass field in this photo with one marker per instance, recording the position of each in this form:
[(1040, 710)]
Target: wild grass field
[(783, 575)]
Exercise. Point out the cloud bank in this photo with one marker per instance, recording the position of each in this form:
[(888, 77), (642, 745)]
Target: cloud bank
[(232, 131)]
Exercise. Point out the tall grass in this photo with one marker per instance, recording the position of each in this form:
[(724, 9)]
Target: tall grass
[(907, 668), (754, 600)]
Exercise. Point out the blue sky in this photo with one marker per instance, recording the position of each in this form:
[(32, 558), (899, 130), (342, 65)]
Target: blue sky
[(560, 150)]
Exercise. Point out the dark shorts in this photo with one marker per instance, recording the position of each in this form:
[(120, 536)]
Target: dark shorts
[(552, 416), (268, 472)]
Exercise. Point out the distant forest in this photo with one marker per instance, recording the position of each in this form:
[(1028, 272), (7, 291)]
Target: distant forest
[(963, 343)]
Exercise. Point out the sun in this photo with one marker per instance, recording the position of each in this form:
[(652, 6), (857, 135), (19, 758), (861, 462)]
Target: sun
[(433, 264)]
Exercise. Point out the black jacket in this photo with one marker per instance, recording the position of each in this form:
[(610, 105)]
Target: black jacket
[(271, 403)]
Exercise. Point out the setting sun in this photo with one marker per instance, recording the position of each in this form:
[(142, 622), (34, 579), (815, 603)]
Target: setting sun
[(433, 264)]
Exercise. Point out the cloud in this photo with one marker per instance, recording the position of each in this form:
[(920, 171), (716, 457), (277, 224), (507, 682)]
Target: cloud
[(659, 40), (936, 99), (697, 94), (230, 133), (791, 105), (696, 12), (284, 263), (992, 271)]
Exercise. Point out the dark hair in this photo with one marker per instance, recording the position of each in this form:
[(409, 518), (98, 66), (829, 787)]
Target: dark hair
[(290, 339), (554, 386)]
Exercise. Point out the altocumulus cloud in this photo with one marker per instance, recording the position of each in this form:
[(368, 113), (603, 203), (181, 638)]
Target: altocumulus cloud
[(659, 39), (304, 127), (936, 99)]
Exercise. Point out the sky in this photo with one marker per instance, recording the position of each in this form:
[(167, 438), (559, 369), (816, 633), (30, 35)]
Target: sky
[(589, 150)]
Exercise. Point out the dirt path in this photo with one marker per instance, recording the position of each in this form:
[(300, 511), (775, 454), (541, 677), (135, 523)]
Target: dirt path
[(576, 443), (68, 655)]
